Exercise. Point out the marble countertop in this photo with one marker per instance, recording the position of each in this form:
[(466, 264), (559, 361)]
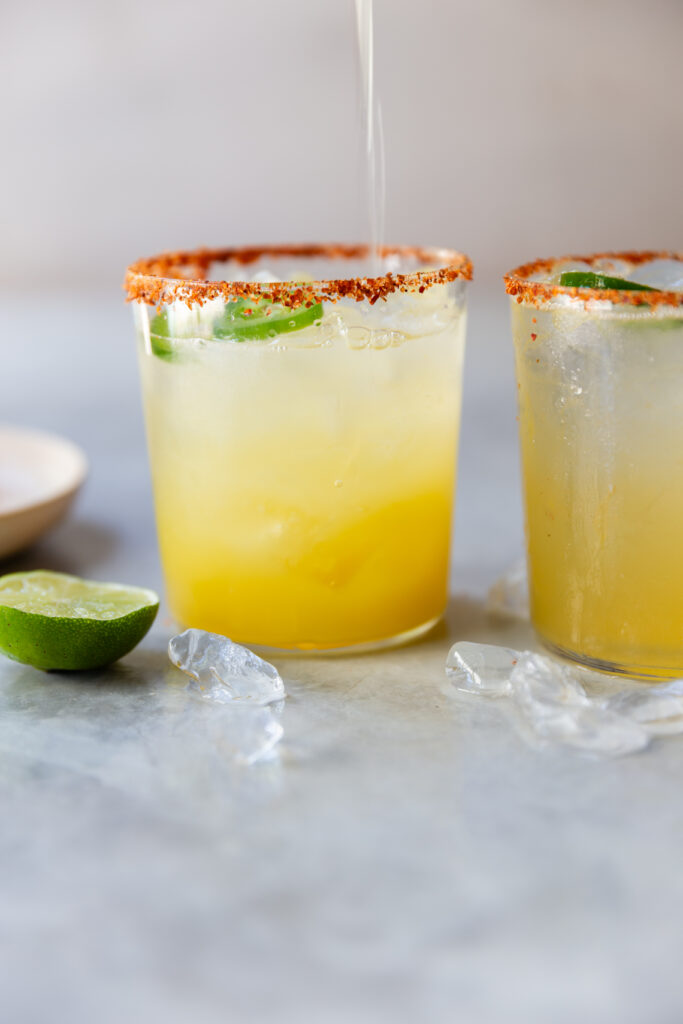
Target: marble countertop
[(407, 857)]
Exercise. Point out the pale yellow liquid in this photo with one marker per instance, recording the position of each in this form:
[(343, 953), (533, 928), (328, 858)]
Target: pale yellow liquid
[(303, 490), (601, 427)]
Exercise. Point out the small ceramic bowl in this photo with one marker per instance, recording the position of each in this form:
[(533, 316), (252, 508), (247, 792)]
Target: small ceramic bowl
[(40, 475)]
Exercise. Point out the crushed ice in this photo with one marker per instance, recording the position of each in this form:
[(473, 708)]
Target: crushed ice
[(665, 274), (481, 668), (659, 708), (554, 707), (225, 673)]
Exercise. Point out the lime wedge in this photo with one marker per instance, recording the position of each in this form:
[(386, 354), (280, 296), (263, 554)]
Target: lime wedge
[(246, 319), (587, 279), (53, 621)]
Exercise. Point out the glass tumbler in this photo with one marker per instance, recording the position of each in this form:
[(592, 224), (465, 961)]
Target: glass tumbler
[(302, 409), (600, 379)]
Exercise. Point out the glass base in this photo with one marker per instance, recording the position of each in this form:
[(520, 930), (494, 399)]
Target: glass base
[(643, 673), (349, 650)]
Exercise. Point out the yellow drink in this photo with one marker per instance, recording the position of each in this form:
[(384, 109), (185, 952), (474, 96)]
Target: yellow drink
[(601, 429), (304, 484)]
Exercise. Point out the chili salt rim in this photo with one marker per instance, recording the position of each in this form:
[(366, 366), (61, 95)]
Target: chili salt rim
[(180, 275), (536, 293)]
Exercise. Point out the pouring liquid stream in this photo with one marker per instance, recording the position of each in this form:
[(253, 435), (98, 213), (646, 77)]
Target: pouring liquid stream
[(373, 135)]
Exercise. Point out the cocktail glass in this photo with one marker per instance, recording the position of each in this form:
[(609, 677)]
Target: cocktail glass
[(302, 424), (600, 379)]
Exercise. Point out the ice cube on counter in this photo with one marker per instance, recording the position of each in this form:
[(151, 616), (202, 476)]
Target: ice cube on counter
[(223, 671), (481, 668), (553, 704), (659, 708)]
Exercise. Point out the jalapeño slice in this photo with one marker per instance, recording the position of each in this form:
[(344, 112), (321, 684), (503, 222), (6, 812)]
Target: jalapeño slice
[(258, 319), (588, 279)]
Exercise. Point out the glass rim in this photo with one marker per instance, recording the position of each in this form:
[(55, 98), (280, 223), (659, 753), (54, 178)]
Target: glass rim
[(180, 275), (536, 293)]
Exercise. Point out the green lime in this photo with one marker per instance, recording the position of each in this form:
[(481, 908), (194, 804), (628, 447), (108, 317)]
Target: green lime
[(587, 279), (54, 621), (245, 319)]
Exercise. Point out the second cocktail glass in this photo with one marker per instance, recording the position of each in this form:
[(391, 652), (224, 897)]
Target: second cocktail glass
[(600, 374), (302, 422)]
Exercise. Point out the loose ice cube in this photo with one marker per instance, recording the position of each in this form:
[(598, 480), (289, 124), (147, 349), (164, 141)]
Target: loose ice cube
[(554, 706), (658, 708), (509, 596), (557, 709), (481, 668), (541, 685), (661, 273), (589, 728), (223, 671)]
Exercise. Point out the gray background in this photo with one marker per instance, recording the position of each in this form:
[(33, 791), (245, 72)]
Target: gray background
[(514, 128)]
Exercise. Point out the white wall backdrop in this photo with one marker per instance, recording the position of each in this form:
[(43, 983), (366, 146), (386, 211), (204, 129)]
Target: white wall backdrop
[(513, 129)]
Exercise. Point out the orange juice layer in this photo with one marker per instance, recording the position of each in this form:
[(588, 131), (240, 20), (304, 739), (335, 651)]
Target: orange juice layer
[(289, 578)]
